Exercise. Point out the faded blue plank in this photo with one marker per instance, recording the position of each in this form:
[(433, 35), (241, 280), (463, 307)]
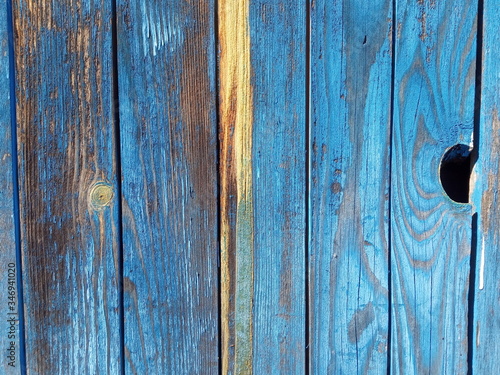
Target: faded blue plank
[(431, 234), (351, 65), (70, 243), (166, 61), (486, 322), (278, 47), (9, 269)]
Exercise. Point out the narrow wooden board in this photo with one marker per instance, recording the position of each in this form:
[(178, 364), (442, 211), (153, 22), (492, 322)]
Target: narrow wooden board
[(167, 93), (69, 216), (263, 168), (9, 268), (236, 181), (351, 66), (431, 234), (485, 182)]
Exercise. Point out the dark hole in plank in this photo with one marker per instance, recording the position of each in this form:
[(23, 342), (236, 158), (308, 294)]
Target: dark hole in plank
[(455, 172)]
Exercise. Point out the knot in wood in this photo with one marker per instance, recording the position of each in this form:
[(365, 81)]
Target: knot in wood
[(101, 195)]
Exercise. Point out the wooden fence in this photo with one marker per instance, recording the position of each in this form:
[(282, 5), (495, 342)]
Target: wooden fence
[(249, 187)]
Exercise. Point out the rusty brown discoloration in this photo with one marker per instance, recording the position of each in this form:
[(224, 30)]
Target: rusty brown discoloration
[(199, 135), (197, 112), (59, 159), (228, 202), (172, 120), (423, 24), (336, 188), (236, 121), (286, 273), (489, 205)]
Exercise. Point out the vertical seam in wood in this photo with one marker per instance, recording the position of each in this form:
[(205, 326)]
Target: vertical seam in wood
[(389, 204), (308, 183), (15, 185), (472, 287), (218, 186), (474, 158), (117, 143)]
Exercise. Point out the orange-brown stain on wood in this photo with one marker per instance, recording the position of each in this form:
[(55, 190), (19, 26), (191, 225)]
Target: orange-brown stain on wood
[(55, 209), (236, 119)]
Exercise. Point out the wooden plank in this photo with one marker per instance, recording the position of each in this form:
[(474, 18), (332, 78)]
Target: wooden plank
[(486, 322), (69, 217), (237, 215), (9, 301), (167, 91), (351, 66), (431, 234), (262, 114)]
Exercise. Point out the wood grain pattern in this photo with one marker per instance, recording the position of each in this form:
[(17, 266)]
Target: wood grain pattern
[(237, 235), (262, 76), (351, 53), (9, 301), (166, 58), (328, 157), (278, 58), (431, 235), (486, 322), (66, 146)]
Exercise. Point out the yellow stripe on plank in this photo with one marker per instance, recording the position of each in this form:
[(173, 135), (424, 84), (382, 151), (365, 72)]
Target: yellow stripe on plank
[(236, 140)]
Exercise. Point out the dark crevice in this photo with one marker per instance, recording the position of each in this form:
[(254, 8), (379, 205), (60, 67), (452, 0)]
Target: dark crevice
[(307, 182), (473, 159), (116, 120), (454, 172), (15, 186), (389, 204), (472, 288), (478, 83), (219, 183)]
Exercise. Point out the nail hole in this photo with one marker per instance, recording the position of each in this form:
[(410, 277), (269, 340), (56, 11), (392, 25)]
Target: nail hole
[(455, 172)]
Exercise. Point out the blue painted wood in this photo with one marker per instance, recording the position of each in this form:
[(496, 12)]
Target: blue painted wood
[(166, 76), (485, 182), (372, 243), (10, 359), (278, 61), (351, 65), (431, 234), (67, 170)]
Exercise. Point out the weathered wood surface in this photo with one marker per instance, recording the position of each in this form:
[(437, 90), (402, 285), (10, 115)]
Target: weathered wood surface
[(9, 271), (69, 237), (485, 182), (435, 55), (167, 92), (237, 225), (263, 130), (351, 66), (299, 142)]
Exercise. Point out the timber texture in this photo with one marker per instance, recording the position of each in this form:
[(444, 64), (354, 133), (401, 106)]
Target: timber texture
[(249, 187)]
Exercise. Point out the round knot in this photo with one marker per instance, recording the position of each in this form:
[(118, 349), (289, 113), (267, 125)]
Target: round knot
[(101, 195)]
